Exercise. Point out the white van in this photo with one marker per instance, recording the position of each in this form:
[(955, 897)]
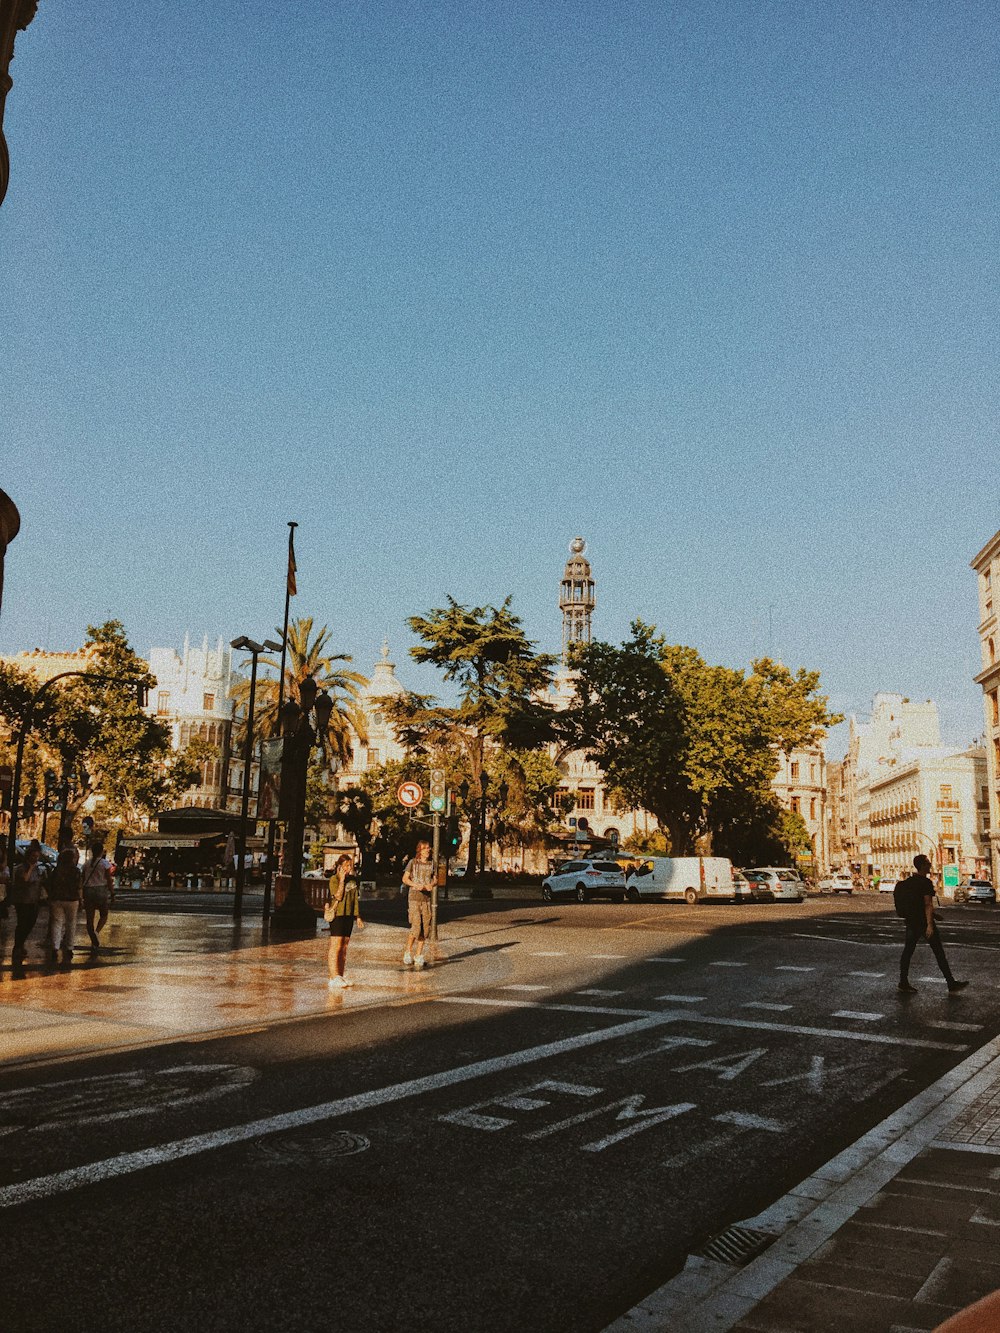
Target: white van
[(693, 878)]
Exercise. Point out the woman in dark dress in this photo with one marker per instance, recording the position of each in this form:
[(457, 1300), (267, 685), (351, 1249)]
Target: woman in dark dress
[(345, 900)]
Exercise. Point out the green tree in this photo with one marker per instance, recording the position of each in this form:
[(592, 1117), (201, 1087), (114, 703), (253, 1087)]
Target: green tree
[(693, 744), (483, 652), (309, 655)]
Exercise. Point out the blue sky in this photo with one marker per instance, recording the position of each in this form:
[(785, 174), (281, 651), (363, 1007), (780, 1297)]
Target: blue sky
[(714, 285)]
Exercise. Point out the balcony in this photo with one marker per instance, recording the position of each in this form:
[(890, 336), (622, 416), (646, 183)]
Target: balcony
[(947, 805)]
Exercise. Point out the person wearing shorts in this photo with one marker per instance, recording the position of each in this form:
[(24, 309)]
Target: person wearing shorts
[(419, 880), (345, 901), (98, 894)]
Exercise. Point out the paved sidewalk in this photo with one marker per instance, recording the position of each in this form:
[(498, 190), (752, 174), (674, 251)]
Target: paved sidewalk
[(172, 976), (894, 1235)]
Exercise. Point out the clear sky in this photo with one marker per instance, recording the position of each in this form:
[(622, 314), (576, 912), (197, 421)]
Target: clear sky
[(712, 284)]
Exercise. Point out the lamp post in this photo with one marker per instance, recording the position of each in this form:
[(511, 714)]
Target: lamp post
[(298, 737), (50, 786), (243, 644)]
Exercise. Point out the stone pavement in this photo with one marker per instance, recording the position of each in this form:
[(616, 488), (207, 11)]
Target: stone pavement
[(170, 976), (895, 1235)]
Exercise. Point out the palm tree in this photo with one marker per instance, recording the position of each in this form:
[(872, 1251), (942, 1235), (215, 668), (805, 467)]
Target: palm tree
[(307, 656)]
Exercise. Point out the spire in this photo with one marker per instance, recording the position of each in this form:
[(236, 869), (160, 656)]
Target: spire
[(577, 597)]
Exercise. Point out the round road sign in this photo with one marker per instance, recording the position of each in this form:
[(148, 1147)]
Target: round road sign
[(410, 794)]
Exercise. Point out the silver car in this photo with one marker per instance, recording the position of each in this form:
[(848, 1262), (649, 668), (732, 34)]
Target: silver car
[(585, 879), (784, 882)]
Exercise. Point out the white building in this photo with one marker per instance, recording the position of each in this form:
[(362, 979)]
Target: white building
[(930, 802), (896, 728), (193, 695), (594, 808), (381, 746), (987, 567)]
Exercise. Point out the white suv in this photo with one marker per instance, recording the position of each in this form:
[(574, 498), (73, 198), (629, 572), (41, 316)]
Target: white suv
[(784, 882), (585, 880)]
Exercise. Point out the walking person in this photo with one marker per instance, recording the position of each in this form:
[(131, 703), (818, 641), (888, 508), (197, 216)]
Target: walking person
[(344, 910), (65, 890), (26, 895), (914, 899), (419, 880), (98, 893)]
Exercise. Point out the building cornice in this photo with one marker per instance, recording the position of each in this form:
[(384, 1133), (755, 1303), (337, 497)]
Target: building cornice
[(989, 677), (983, 558)]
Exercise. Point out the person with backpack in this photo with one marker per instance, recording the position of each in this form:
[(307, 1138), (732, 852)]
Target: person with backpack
[(26, 895), (914, 901)]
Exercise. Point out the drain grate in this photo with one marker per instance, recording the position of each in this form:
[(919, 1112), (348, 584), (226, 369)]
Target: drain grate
[(736, 1246)]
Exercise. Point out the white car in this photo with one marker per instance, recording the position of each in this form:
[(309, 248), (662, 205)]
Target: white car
[(783, 881), (841, 881), (585, 879), (887, 885)]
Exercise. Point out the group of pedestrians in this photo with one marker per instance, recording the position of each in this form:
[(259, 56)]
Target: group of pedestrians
[(68, 887), (343, 911)]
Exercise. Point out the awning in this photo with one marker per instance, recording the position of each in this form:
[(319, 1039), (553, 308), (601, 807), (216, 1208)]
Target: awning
[(169, 840)]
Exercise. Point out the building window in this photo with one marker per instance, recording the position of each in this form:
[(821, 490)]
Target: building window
[(585, 798), (163, 703), (948, 826), (374, 758), (795, 771), (995, 708), (208, 702), (812, 807), (795, 805), (945, 791)]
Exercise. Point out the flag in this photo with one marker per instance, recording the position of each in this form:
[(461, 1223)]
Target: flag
[(292, 589)]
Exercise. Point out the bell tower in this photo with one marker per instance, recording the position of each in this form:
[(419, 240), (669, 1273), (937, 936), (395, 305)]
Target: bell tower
[(577, 597)]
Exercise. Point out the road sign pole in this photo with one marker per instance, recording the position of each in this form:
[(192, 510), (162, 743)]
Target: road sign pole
[(436, 858)]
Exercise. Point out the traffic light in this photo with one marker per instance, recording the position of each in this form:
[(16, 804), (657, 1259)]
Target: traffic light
[(438, 794), (452, 836)]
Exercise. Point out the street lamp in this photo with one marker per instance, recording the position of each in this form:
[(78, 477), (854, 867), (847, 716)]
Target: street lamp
[(297, 741), (243, 644)]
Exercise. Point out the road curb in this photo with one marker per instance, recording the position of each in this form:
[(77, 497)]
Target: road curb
[(709, 1296)]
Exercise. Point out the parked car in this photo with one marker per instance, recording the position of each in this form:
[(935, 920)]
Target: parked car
[(585, 879), (693, 878), (760, 887), (47, 861), (980, 891), (783, 881), (887, 885), (840, 881)]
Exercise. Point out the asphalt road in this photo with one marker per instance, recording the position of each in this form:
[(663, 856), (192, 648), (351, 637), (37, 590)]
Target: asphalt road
[(534, 1138)]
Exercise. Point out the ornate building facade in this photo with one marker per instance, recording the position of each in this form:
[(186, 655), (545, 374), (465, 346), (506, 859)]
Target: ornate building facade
[(987, 567)]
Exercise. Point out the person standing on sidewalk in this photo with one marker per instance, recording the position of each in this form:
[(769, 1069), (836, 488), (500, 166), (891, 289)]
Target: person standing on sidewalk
[(65, 896), (914, 898), (26, 894), (345, 903), (98, 893), (419, 880)]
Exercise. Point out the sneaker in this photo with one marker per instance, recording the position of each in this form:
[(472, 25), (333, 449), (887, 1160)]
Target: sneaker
[(418, 962), (905, 986), (957, 985), (337, 983), (407, 959)]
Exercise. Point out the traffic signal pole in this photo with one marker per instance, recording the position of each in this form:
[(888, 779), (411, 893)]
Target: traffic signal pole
[(436, 858)]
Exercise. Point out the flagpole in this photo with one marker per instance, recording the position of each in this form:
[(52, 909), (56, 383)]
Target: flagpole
[(289, 575)]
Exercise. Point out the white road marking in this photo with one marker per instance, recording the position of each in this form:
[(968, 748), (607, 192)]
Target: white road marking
[(609, 955), (875, 976), (843, 1034), (485, 1002), (549, 953), (525, 988), (787, 967), (744, 1120), (92, 1173), (956, 1027), (683, 999), (727, 964), (596, 990), (855, 1013), (764, 1004)]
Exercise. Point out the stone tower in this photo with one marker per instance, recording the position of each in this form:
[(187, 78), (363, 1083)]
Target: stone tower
[(577, 598)]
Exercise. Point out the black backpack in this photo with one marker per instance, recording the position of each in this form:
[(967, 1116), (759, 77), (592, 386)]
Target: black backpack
[(900, 894)]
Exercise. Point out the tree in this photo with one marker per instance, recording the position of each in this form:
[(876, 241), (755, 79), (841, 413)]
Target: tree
[(309, 656), (96, 735), (693, 744), (484, 652)]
